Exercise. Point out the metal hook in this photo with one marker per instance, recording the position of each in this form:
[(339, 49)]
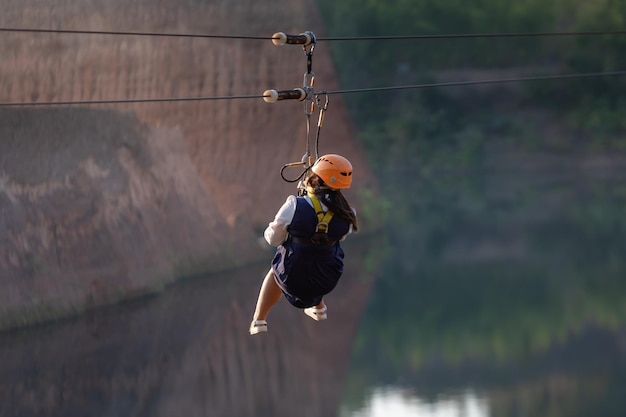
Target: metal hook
[(318, 101), (310, 46)]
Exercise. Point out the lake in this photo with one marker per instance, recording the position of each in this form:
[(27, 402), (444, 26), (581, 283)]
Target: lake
[(491, 294)]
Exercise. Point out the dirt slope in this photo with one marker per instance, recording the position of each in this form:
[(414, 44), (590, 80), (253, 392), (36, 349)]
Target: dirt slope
[(103, 202)]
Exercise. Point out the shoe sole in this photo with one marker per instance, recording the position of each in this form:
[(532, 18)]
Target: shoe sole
[(316, 316), (258, 328)]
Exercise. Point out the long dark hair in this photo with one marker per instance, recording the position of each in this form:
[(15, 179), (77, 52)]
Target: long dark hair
[(333, 199)]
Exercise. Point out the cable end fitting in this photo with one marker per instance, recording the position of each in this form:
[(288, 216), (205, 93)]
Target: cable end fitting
[(305, 39), (279, 38), (272, 96)]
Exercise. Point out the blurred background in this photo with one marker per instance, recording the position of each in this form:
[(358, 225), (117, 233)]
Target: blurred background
[(487, 279)]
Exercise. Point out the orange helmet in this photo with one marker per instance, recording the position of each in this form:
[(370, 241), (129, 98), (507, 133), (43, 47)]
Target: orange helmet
[(334, 170)]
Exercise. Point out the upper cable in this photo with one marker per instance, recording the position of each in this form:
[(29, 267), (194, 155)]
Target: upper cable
[(277, 38)]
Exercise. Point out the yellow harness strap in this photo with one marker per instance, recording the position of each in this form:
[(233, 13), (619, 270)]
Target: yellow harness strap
[(323, 218)]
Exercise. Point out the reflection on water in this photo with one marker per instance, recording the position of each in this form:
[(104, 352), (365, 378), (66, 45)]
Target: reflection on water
[(397, 402), (503, 295), (499, 295), (187, 352)]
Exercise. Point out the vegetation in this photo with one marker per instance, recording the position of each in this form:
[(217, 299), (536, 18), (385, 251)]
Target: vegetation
[(593, 106), (502, 248)]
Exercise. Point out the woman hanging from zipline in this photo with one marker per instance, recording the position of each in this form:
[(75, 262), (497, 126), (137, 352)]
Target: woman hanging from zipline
[(307, 230)]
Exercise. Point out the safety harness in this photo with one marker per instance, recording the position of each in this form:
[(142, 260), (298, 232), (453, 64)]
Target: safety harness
[(323, 218)]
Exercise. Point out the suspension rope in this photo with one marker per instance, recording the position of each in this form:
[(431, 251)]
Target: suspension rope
[(124, 101), (306, 94), (474, 35), (131, 33), (320, 121), (330, 39), (267, 93), (478, 82)]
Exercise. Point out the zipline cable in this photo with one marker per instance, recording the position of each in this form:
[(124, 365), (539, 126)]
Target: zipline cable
[(330, 39), (124, 101), (114, 33), (478, 82), (473, 35), (284, 95)]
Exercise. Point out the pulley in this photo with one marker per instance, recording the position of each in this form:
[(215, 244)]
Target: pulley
[(305, 94)]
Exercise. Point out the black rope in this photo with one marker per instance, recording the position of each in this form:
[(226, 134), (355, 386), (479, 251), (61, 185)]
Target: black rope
[(121, 101), (357, 90), (115, 33), (320, 121), (348, 38), (308, 135), (476, 82), (291, 165), (473, 35)]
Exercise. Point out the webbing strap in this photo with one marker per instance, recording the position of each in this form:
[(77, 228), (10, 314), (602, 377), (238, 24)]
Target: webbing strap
[(323, 218)]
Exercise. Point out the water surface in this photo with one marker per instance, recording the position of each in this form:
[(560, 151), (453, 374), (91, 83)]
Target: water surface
[(493, 295), (505, 296)]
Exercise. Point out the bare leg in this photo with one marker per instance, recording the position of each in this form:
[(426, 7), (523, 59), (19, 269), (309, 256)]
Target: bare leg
[(268, 296)]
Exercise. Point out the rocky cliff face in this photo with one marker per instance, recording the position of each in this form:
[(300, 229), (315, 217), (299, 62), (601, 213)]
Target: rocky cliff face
[(103, 202)]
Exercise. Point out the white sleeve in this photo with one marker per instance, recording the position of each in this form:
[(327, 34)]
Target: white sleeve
[(276, 231)]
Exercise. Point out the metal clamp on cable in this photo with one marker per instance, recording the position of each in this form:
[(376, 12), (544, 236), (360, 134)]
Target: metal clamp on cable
[(306, 38), (272, 96)]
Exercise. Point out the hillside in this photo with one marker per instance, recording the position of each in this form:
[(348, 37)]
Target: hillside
[(104, 202)]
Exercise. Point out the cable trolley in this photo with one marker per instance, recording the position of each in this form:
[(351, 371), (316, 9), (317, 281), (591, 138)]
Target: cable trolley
[(312, 101)]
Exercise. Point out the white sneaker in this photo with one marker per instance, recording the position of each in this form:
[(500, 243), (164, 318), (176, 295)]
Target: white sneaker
[(316, 314), (258, 326)]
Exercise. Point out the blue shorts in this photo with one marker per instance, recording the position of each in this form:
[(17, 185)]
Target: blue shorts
[(306, 272)]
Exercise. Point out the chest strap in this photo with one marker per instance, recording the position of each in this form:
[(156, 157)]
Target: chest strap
[(323, 218)]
